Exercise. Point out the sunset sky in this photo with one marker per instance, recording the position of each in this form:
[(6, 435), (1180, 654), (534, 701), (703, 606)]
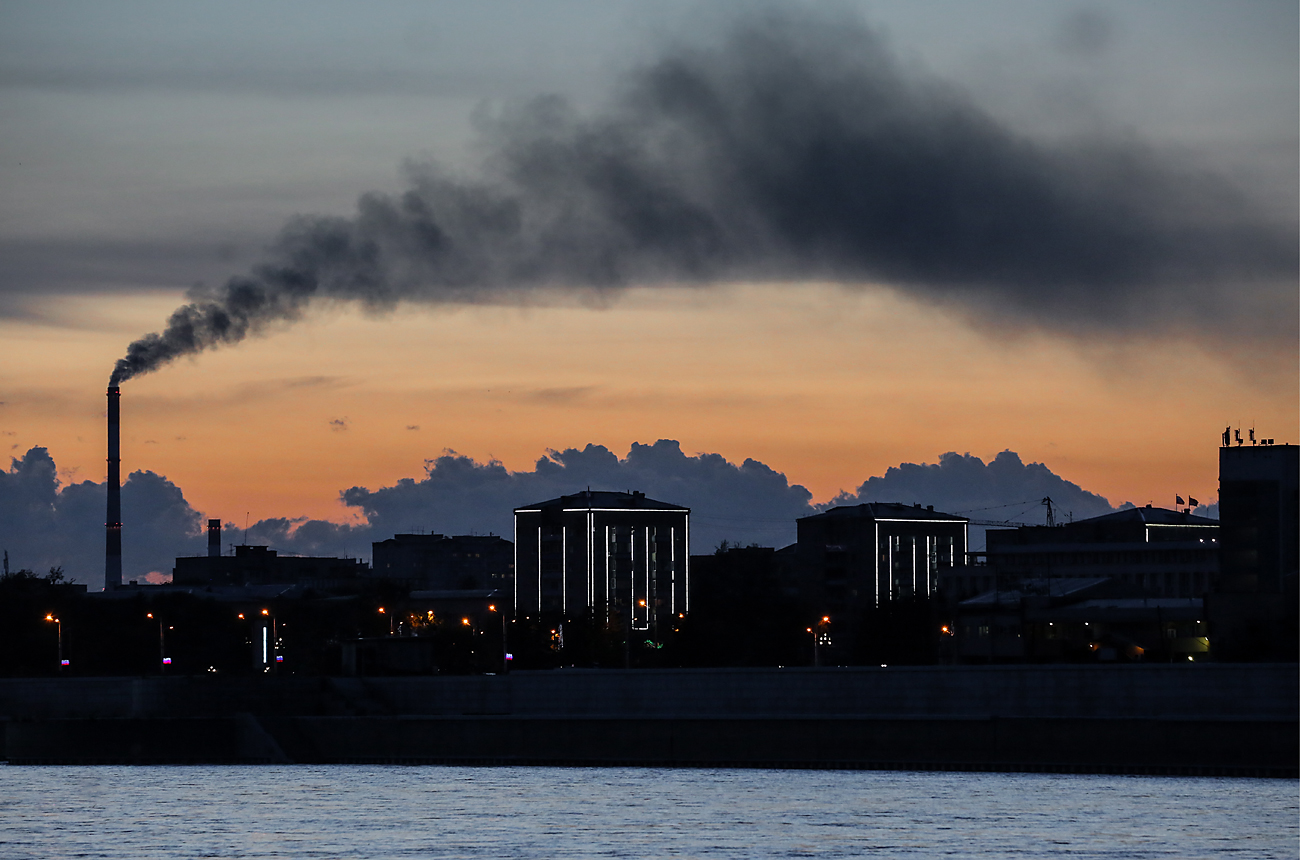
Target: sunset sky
[(150, 149)]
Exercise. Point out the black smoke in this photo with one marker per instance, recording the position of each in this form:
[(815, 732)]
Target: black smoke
[(797, 148)]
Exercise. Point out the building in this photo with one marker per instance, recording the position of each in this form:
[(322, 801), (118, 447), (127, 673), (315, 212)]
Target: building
[(1253, 607), (860, 556), (1155, 551), (1259, 507), (441, 563), (1075, 619), (260, 565), (605, 553)]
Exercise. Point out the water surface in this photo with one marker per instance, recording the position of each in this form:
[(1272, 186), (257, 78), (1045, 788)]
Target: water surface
[(340, 811)]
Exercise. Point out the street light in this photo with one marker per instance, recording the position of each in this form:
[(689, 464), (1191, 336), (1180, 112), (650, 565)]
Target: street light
[(820, 637), (505, 651), (59, 625), (165, 661)]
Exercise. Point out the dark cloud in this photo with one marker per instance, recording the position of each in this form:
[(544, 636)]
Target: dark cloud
[(798, 148), (746, 502), (1004, 489), (1086, 32), (44, 524)]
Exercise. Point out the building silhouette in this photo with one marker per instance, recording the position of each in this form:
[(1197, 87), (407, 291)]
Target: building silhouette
[(1253, 606), (445, 563), (260, 565), (1156, 551), (854, 557), (609, 555)]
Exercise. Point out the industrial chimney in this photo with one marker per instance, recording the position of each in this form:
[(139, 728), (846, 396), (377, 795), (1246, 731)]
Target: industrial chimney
[(214, 538), (113, 538)]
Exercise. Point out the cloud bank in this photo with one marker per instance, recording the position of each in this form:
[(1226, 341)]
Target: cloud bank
[(43, 524), (796, 148)]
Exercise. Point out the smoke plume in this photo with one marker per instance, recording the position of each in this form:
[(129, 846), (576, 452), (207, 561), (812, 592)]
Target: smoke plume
[(797, 148)]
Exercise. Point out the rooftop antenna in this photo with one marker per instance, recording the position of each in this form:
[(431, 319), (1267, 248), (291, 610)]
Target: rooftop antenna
[(1252, 432), (245, 528), (1051, 518)]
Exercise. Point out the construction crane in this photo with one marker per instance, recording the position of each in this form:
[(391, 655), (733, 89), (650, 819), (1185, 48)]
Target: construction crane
[(1046, 502)]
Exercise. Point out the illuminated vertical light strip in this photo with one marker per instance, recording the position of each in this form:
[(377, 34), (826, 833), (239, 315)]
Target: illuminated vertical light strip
[(672, 561), (891, 567), (687, 597), (876, 563), (539, 563), (265, 633), (514, 574), (607, 571), (927, 565), (648, 594), (591, 574), (913, 565), (631, 573), (564, 569)]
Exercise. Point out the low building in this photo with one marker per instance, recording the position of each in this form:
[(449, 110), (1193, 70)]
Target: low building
[(260, 565), (603, 554), (436, 562), (1077, 619), (1155, 551)]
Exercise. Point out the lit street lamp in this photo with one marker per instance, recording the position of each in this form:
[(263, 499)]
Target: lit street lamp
[(820, 636), (164, 660), (505, 650), (59, 625)]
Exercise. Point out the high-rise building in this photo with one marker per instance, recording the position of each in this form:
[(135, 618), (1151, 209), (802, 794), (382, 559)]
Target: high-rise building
[(1259, 509), (605, 553)]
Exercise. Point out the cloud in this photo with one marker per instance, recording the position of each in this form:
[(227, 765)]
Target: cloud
[(745, 502), (1086, 32), (44, 523), (796, 148), (1004, 489)]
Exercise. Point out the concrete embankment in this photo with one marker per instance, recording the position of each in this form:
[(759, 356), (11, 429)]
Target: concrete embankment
[(1212, 719)]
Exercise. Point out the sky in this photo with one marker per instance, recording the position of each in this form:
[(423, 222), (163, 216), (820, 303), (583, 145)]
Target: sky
[(431, 257)]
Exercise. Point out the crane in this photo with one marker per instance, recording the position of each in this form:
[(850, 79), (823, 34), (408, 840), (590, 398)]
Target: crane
[(1046, 502)]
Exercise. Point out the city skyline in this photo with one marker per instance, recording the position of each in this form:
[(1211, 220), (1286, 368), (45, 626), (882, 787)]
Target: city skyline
[(169, 150)]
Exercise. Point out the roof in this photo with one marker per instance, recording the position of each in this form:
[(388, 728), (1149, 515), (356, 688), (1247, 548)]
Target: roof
[(604, 500), (1152, 517), (885, 511), (1056, 587)]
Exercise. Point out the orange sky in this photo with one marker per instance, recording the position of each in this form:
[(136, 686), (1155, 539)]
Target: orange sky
[(826, 385)]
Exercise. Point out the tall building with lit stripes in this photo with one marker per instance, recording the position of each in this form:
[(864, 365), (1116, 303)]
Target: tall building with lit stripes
[(607, 552), (859, 556)]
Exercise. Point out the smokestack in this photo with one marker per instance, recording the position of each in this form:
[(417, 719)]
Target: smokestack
[(113, 528), (214, 538)]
